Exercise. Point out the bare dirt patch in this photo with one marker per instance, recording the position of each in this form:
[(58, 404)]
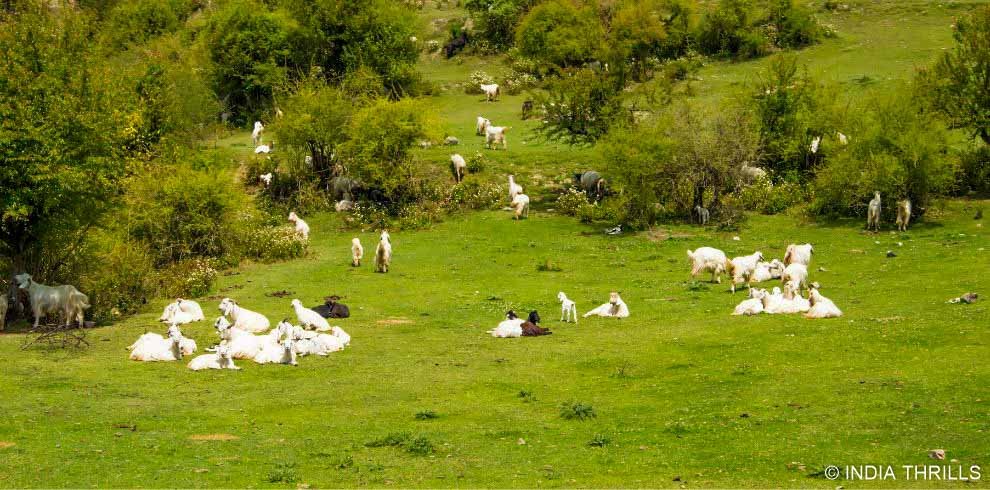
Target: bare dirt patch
[(395, 321), (213, 437), (661, 235), (5, 444)]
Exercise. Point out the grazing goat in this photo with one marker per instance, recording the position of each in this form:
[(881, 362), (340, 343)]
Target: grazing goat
[(742, 269), (491, 91), (510, 327), (821, 307), (615, 308), (752, 305), (527, 109), (357, 252), (520, 206), (383, 253), (458, 167), (309, 318), (592, 184), (766, 271), (495, 135), (243, 318), (799, 254), (218, 360), (751, 174), (701, 214), (873, 213), (3, 311), (903, 214), (152, 348), (531, 327), (708, 259), (481, 126), (256, 134), (796, 275), (302, 229), (343, 205), (47, 300), (568, 308)]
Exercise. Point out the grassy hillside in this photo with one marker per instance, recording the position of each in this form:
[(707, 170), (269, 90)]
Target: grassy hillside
[(685, 394)]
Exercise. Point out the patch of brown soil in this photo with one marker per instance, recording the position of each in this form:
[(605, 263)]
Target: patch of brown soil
[(661, 235), (213, 437), (5, 444), (395, 321)]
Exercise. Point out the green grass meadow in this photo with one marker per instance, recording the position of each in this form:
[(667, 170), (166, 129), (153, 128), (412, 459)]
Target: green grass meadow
[(683, 394)]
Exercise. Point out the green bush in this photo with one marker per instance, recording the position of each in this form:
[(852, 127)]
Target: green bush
[(190, 278), (765, 197), (123, 280), (571, 201), (496, 20), (557, 35), (975, 171)]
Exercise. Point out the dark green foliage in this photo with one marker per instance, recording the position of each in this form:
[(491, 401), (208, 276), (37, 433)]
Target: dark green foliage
[(600, 440), (134, 22), (426, 415), (496, 20), (581, 106), (283, 473), (739, 29), (975, 171), (957, 85), (558, 35), (577, 411)]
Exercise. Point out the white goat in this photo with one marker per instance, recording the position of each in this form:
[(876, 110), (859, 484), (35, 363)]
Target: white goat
[(3, 310), (383, 253), (157, 348), (509, 328), (312, 343), (242, 344), (873, 213), (47, 300), (220, 359), (766, 271), (742, 269), (903, 214), (799, 254), (491, 91), (302, 229), (174, 315), (264, 149), (514, 188), (708, 259), (256, 133), (793, 303), (458, 166), (309, 318), (345, 338), (357, 252), (796, 275), (520, 206), (843, 139), (815, 143), (283, 352), (481, 125), (495, 135), (266, 179), (244, 319), (568, 308), (821, 307), (615, 308), (752, 305), (773, 302)]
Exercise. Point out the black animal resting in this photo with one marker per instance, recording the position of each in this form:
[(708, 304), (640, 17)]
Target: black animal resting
[(531, 328), (332, 309), (455, 45)]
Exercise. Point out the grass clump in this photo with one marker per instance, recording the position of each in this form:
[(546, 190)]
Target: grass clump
[(426, 415), (600, 440), (577, 410), (283, 473)]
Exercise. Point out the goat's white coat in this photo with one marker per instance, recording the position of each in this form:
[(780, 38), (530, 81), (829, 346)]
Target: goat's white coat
[(302, 229), (357, 252), (217, 360), (708, 259), (796, 275), (256, 133), (766, 271), (568, 308), (520, 206), (243, 318), (821, 307), (309, 318), (752, 305), (154, 347), (383, 253), (743, 268), (873, 213), (495, 135), (481, 125), (47, 300), (799, 254), (491, 91), (508, 328), (615, 308)]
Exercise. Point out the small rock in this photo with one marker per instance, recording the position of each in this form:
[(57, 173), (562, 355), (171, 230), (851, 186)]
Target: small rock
[(521, 441), (938, 454), (677, 478), (451, 141), (954, 461), (736, 238), (876, 242), (200, 470), (822, 269), (900, 244)]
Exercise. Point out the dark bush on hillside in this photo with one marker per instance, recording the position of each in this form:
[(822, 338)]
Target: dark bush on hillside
[(739, 29), (581, 106), (975, 171), (557, 35), (136, 21), (495, 20), (897, 152)]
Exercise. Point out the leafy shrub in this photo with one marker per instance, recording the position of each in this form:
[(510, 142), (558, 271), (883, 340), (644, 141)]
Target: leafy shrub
[(496, 20), (478, 78), (137, 21), (557, 34), (121, 283), (517, 82), (420, 446), (975, 171), (548, 266), (736, 28), (426, 415), (600, 440), (272, 243), (765, 197), (471, 194), (477, 163), (571, 201), (283, 473), (393, 439), (577, 410), (190, 278), (581, 106)]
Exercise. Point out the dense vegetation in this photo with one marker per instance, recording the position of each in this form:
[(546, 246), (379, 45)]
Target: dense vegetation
[(105, 105)]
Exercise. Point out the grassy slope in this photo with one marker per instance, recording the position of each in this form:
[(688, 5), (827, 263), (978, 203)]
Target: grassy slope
[(903, 372)]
